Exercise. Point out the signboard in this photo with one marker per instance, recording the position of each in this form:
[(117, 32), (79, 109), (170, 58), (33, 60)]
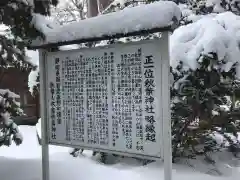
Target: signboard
[(107, 98)]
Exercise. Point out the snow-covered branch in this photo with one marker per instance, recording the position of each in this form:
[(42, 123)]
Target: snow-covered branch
[(9, 107)]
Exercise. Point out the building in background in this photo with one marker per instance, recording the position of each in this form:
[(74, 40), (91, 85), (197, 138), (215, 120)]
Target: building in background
[(16, 80)]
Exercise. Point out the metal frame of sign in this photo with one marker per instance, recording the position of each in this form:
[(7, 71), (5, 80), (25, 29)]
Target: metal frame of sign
[(165, 93)]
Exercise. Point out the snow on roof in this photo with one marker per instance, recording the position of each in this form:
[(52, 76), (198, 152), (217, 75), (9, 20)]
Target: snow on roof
[(219, 33), (161, 14)]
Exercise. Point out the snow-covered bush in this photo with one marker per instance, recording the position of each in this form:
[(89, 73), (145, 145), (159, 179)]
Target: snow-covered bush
[(9, 107), (18, 30), (205, 66)]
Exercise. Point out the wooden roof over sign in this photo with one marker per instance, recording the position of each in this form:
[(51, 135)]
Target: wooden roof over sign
[(139, 20)]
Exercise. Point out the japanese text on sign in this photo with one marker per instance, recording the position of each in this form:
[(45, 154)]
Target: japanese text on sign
[(149, 85), (106, 98)]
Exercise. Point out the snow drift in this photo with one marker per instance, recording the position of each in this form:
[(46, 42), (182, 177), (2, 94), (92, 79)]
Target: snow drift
[(24, 163)]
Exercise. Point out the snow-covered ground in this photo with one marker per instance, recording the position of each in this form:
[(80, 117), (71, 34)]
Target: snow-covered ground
[(24, 163)]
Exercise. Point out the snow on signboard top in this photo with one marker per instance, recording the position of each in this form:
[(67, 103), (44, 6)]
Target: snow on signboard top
[(143, 17)]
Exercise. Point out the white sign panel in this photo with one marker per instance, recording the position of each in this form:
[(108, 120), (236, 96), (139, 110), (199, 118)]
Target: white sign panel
[(107, 98)]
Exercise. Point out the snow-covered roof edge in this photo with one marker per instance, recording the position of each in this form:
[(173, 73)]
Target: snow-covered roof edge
[(158, 16)]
